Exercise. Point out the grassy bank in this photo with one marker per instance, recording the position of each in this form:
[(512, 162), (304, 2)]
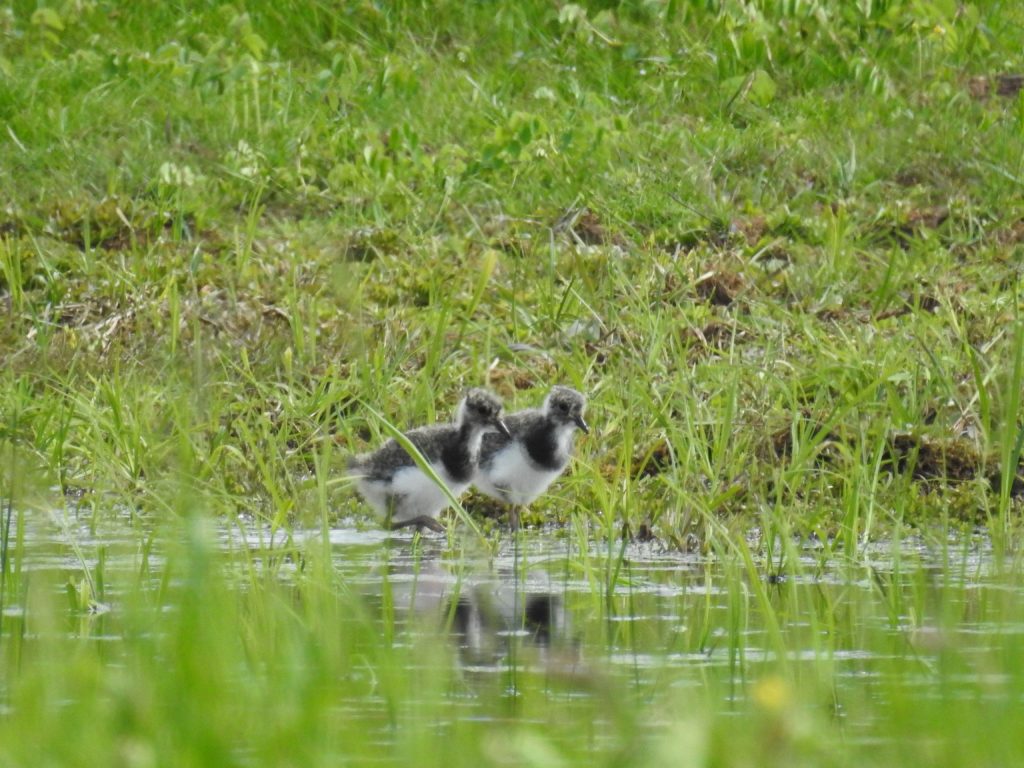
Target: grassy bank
[(778, 244)]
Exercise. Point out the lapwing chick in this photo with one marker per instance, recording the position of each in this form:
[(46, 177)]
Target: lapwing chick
[(400, 492), (517, 468)]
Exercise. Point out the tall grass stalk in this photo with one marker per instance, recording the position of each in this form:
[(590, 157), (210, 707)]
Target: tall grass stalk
[(7, 512), (409, 447), (1011, 441)]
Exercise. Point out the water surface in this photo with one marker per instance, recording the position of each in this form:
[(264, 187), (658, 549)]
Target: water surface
[(534, 616)]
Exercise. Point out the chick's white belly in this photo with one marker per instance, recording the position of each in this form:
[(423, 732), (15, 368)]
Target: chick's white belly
[(410, 492), (512, 478)]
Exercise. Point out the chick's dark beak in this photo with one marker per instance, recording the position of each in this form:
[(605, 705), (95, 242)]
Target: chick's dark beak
[(582, 424), (500, 426)]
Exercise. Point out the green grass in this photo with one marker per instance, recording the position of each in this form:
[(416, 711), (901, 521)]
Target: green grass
[(777, 243)]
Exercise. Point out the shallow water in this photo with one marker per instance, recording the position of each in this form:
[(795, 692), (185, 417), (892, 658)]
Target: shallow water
[(922, 620)]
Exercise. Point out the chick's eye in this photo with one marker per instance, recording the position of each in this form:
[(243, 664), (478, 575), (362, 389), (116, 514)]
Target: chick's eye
[(563, 407)]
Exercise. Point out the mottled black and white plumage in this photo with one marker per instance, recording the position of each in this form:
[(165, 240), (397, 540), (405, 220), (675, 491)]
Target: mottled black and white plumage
[(517, 469), (401, 493)]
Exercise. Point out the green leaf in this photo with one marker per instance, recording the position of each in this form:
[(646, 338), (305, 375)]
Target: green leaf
[(47, 17), (757, 88), (572, 14), (255, 44)]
